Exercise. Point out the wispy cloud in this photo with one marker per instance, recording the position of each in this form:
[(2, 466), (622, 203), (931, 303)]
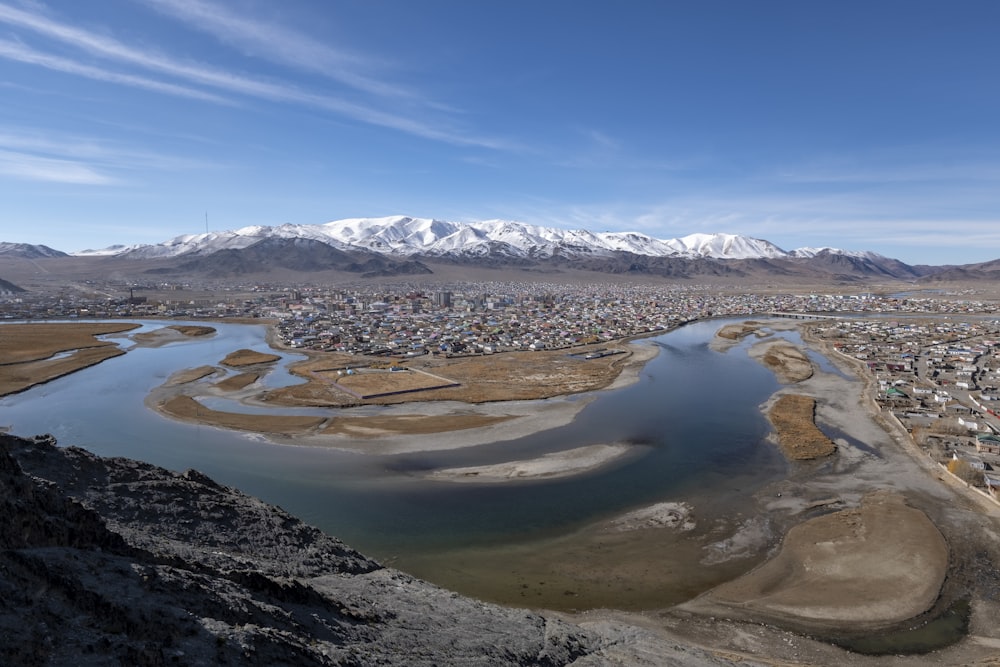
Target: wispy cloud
[(108, 48), (98, 153), (33, 155), (28, 167), (282, 45), (857, 222), (19, 52)]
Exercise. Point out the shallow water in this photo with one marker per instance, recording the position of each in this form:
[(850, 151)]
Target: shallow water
[(944, 630), (695, 411)]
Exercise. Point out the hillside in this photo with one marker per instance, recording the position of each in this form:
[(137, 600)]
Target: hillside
[(114, 561)]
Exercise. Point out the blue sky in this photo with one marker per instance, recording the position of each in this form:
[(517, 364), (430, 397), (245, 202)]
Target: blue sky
[(858, 125)]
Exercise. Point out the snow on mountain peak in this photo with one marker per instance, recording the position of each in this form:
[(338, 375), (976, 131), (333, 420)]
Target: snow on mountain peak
[(404, 235), (726, 246), (809, 253)]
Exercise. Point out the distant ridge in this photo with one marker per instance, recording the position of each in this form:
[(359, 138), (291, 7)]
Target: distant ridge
[(28, 251), (406, 246), (402, 235), (9, 288), (296, 254)]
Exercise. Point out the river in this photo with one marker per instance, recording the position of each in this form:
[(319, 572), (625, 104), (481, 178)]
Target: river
[(695, 412)]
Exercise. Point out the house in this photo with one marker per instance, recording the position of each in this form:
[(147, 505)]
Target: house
[(974, 462), (988, 443), (970, 424), (992, 484)]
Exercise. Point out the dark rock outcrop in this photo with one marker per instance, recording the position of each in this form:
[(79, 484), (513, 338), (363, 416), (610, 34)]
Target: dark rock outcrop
[(113, 561)]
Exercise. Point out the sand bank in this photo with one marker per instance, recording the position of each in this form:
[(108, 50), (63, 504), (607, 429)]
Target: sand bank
[(786, 361), (190, 375), (871, 566), (558, 464), (188, 409), (241, 358), (171, 334), (660, 515)]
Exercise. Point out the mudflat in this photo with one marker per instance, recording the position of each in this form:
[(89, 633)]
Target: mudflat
[(865, 567)]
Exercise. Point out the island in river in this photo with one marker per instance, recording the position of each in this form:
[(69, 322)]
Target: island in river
[(836, 510)]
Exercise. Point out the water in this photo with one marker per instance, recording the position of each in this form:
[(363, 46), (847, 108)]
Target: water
[(944, 630), (695, 411)]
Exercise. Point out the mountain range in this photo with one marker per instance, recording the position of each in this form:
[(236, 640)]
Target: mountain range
[(401, 245), (405, 236)]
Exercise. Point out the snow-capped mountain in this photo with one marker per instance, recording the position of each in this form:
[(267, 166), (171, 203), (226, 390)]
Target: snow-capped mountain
[(809, 253), (406, 236), (726, 246)]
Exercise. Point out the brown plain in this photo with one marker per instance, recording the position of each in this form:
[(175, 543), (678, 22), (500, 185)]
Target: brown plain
[(26, 351), (374, 383), (510, 376)]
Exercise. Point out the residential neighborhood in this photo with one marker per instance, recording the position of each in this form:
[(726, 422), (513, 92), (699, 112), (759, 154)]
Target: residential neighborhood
[(940, 378)]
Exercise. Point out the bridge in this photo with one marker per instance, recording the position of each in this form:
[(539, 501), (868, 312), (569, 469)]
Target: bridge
[(796, 315)]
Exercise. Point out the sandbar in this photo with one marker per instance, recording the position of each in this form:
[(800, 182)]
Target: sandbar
[(788, 362), (171, 334), (794, 419), (187, 408), (557, 464), (190, 375), (659, 515), (245, 357), (865, 567), (409, 423)]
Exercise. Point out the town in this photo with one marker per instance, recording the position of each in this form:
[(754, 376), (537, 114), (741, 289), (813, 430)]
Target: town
[(463, 318), (935, 356), (939, 379)]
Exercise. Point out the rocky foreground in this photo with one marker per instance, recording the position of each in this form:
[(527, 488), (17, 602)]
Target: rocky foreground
[(113, 561)]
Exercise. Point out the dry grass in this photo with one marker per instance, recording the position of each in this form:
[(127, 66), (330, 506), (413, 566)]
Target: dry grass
[(372, 427), (192, 329), (373, 383), (189, 375), (237, 382), (186, 408), (26, 350), (498, 377), (245, 357), (31, 342), (794, 419)]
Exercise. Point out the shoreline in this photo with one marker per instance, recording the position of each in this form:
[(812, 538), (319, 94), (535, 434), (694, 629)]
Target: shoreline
[(854, 472), (501, 419)]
